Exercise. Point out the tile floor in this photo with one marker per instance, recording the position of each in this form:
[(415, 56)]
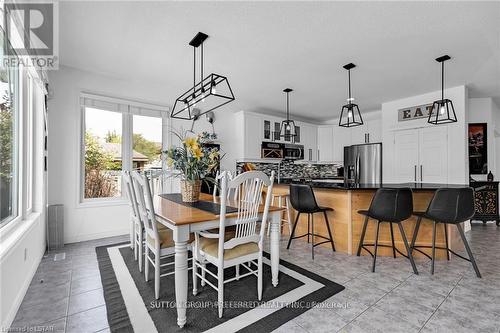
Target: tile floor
[(391, 300)]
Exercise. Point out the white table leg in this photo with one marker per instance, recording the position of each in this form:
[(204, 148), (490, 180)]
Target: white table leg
[(275, 245), (181, 237)]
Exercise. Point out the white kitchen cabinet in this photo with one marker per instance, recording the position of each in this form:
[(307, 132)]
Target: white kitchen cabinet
[(406, 146), (433, 154), (375, 130), (309, 138), (253, 129), (325, 143), (358, 134), (369, 132), (341, 138), (421, 155)]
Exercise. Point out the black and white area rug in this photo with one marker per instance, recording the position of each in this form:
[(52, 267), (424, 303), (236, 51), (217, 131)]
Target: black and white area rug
[(132, 307)]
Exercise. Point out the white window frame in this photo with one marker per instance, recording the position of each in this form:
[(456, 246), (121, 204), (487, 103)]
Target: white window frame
[(127, 108), (28, 143)]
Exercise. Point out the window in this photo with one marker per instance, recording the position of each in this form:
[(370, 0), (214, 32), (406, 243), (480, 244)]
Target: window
[(103, 153), (9, 122), (117, 135), (146, 143)]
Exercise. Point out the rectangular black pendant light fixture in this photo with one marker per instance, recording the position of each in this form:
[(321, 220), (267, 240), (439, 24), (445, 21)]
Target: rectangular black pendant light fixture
[(442, 111), (210, 93), (287, 129), (350, 115)]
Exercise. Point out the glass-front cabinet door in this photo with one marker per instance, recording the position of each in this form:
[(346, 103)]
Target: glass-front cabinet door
[(276, 133), (267, 130)]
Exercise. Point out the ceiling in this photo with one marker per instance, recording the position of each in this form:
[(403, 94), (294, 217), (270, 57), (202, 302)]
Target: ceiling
[(264, 47)]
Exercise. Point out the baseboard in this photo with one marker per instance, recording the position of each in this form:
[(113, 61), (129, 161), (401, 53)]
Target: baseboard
[(87, 237)]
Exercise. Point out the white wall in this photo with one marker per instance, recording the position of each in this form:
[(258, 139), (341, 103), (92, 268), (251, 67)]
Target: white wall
[(482, 110), (84, 222), (457, 132)]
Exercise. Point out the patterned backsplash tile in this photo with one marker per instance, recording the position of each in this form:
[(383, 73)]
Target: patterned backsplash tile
[(288, 169)]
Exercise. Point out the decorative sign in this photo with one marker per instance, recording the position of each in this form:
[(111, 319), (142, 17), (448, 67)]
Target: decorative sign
[(414, 112)]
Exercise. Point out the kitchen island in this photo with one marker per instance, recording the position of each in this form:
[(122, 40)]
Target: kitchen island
[(346, 223)]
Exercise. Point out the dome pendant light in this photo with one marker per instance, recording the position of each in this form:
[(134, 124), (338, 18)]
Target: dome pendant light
[(442, 111), (350, 115), (287, 130), (204, 93)]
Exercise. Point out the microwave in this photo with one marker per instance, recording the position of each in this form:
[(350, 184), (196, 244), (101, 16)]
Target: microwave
[(293, 152), (271, 150)]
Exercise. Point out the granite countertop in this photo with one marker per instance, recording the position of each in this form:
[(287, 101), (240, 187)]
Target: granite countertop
[(350, 186)]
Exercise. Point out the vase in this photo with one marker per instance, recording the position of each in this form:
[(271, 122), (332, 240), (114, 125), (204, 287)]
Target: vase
[(490, 176), (190, 190)]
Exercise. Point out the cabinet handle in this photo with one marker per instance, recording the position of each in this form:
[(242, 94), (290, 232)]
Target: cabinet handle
[(318, 155), (415, 174), (310, 154), (421, 173), (368, 136), (365, 137)]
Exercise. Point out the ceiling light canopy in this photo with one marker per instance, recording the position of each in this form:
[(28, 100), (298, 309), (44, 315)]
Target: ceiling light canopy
[(442, 111), (287, 129), (350, 115), (210, 93)]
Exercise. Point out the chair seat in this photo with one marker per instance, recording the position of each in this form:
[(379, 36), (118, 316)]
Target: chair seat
[(212, 249), (380, 218), (167, 238), (447, 217)]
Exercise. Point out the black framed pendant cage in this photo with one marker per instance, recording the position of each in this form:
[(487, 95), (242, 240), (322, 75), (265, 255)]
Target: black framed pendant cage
[(442, 111), (212, 92), (350, 116), (287, 128)]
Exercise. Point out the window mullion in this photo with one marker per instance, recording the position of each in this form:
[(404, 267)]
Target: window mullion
[(127, 142)]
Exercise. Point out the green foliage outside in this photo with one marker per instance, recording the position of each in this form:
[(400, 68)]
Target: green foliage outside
[(150, 149), (98, 183)]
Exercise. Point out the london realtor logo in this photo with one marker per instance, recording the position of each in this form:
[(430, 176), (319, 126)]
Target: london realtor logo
[(32, 29)]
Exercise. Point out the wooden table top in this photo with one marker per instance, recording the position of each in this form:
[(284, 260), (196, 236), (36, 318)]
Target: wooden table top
[(179, 214)]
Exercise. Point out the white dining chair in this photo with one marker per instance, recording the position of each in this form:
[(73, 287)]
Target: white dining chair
[(158, 242), (137, 225), (232, 193), (245, 247)]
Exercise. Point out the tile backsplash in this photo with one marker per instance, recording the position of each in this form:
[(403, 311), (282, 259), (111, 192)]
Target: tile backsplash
[(288, 169)]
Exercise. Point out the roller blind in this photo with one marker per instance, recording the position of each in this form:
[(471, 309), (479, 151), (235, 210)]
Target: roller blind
[(123, 105)]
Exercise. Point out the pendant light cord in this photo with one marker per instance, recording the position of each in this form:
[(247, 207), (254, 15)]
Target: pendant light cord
[(287, 108), (202, 88), (194, 72), (349, 76), (442, 80)]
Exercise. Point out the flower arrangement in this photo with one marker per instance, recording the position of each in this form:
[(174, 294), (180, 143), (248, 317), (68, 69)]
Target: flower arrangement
[(195, 162)]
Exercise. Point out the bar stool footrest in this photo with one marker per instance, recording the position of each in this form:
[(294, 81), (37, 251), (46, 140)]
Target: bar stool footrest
[(440, 248), (383, 245)]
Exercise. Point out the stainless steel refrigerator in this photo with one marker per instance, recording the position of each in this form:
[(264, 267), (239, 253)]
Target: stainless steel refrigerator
[(363, 163)]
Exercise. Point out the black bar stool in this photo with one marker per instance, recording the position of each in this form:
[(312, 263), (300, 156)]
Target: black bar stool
[(391, 206), (303, 201), (448, 206)]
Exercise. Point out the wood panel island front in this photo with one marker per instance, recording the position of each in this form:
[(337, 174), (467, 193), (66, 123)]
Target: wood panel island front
[(346, 223)]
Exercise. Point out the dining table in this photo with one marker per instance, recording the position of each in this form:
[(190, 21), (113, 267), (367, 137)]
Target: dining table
[(184, 219)]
